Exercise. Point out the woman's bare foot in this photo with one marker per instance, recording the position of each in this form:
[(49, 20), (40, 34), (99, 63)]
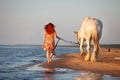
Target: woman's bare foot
[(50, 60)]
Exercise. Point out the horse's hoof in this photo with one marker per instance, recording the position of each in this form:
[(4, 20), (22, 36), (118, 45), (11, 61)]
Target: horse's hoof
[(82, 54), (93, 60), (87, 59)]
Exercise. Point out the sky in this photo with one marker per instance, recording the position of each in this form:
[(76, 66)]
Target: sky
[(23, 21)]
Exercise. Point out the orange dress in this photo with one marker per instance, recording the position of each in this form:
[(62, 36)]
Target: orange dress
[(49, 42)]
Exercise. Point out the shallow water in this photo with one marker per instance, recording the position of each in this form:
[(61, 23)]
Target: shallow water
[(22, 63)]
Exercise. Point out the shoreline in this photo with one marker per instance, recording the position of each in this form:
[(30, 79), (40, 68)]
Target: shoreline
[(33, 45), (109, 62)]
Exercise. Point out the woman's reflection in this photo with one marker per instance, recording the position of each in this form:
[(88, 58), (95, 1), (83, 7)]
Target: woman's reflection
[(49, 74)]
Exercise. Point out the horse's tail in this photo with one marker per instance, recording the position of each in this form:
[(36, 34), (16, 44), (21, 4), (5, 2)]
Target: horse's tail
[(96, 40), (97, 48)]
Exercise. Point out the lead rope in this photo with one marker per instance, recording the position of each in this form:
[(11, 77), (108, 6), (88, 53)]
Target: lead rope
[(69, 41), (56, 43), (64, 41)]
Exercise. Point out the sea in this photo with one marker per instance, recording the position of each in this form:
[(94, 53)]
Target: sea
[(19, 62)]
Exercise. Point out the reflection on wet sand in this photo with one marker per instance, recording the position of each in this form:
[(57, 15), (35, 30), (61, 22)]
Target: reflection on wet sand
[(89, 76), (67, 74), (49, 70), (49, 74)]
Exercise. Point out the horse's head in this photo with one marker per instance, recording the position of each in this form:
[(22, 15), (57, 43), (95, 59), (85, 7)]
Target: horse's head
[(76, 34)]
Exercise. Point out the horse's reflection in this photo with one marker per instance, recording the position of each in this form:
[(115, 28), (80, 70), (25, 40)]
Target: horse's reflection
[(49, 74), (89, 76)]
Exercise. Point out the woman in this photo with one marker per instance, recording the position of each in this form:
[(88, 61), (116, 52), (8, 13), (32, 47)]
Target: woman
[(49, 42)]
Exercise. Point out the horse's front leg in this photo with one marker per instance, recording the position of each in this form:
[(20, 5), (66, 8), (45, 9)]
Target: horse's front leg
[(87, 58), (81, 47)]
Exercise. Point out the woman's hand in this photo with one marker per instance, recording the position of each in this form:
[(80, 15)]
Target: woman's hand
[(58, 37)]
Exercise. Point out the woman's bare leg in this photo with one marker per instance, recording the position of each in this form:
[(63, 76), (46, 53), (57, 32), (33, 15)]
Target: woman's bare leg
[(51, 55), (48, 56)]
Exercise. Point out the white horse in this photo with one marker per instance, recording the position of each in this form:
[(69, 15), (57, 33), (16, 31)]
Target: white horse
[(90, 30)]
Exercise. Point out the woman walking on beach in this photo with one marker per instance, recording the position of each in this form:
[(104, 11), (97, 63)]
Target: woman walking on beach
[(49, 41)]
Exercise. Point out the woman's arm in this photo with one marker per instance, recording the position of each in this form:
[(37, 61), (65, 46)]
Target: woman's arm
[(44, 36), (55, 34)]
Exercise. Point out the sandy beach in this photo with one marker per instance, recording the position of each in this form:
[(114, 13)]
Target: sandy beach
[(109, 62)]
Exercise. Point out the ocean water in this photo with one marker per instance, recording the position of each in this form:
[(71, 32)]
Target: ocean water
[(22, 63)]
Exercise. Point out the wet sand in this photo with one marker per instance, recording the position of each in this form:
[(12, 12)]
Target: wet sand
[(109, 62)]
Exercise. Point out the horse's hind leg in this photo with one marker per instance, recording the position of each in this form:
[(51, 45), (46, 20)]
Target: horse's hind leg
[(87, 58), (95, 52)]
